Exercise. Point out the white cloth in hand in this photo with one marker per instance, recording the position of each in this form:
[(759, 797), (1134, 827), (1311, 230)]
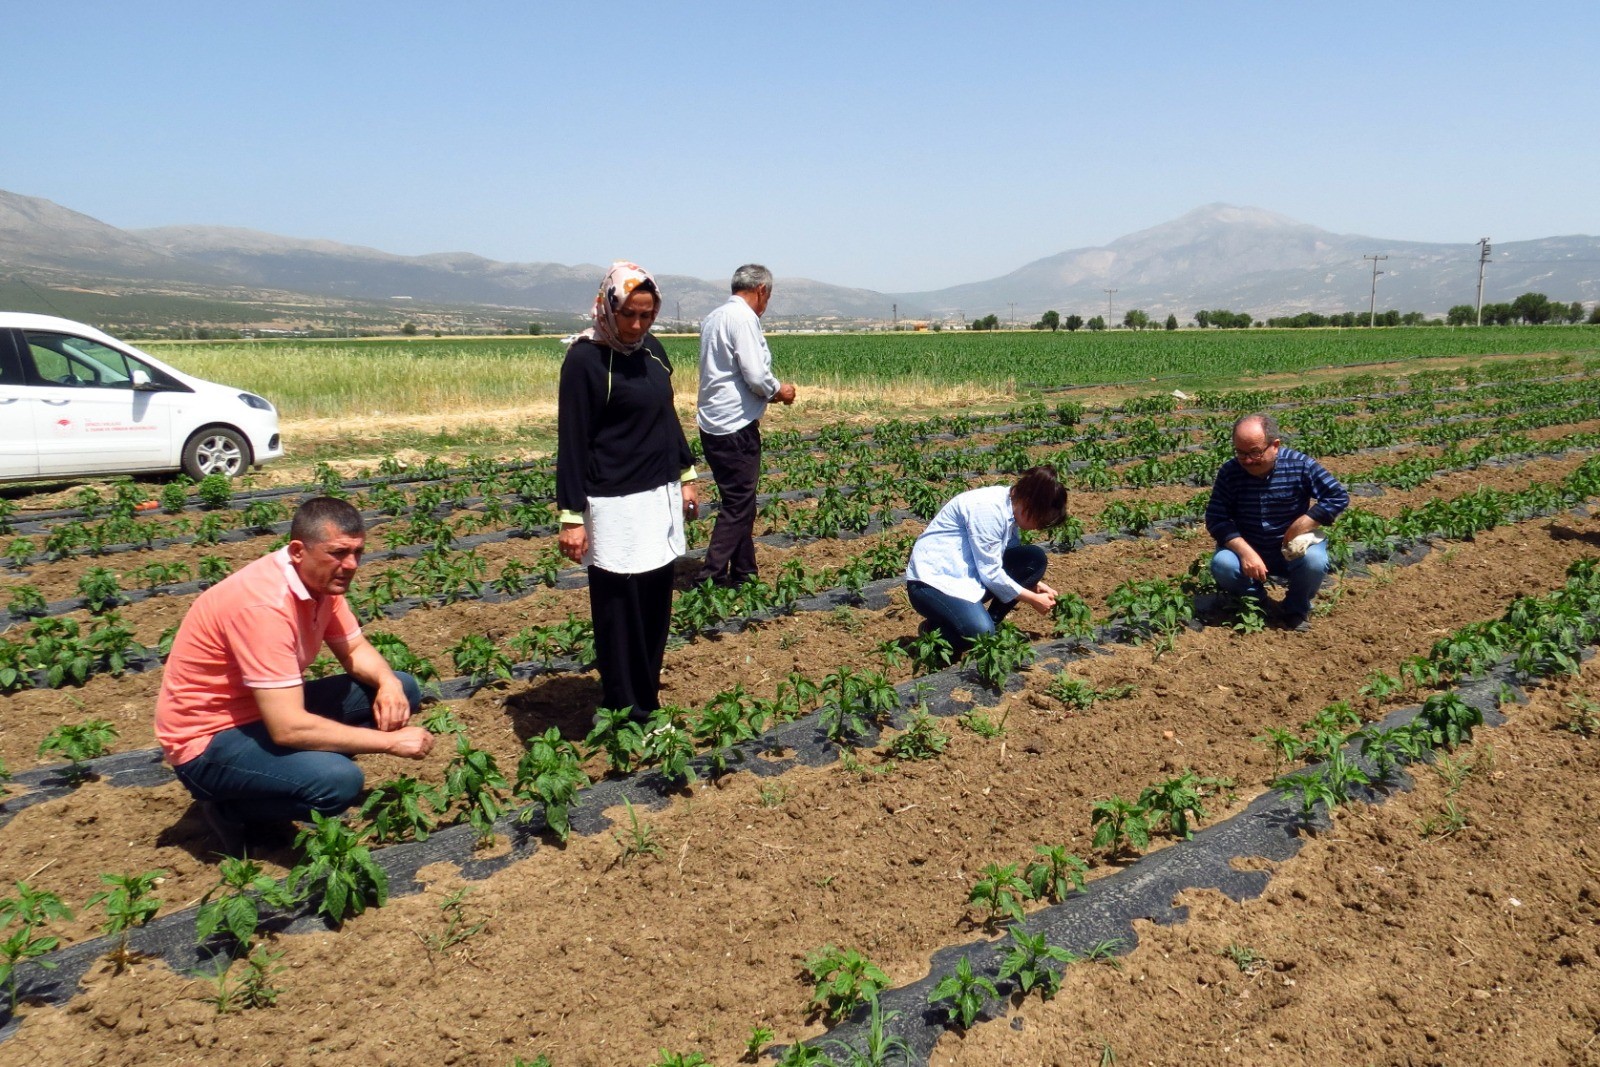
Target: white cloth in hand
[(1298, 545)]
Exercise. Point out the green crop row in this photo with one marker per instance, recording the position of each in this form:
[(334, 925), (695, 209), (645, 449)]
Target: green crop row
[(321, 378)]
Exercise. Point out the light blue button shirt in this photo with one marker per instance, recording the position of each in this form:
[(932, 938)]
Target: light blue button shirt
[(960, 552), (736, 378)]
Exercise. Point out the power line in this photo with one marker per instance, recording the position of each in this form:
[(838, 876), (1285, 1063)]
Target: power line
[(1505, 254)]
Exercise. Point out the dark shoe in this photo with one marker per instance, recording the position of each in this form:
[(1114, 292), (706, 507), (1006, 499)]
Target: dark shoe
[(1300, 624), (229, 835)]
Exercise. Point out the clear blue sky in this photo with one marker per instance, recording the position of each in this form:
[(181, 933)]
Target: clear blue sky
[(897, 147)]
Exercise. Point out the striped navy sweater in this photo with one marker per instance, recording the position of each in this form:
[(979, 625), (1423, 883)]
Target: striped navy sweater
[(1261, 509)]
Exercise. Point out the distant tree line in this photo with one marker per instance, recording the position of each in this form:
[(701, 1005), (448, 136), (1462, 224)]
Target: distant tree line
[(1138, 319), (1223, 319), (1353, 318), (1054, 320), (1530, 308)]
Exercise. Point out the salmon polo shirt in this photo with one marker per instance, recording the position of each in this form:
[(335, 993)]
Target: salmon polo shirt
[(259, 628)]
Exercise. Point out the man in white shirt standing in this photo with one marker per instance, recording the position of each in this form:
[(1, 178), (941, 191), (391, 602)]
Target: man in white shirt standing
[(736, 384)]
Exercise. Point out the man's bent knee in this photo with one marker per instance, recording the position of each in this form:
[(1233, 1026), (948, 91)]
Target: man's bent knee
[(336, 788), (413, 689), (1225, 565), (1315, 561)]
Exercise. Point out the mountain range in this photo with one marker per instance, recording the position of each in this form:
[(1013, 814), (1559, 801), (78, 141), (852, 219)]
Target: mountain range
[(1216, 256)]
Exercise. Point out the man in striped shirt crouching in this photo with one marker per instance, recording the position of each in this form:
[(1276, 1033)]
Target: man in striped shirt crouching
[(1264, 519)]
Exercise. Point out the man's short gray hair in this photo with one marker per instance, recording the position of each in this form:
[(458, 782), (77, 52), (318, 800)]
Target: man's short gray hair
[(752, 276), (1269, 426)]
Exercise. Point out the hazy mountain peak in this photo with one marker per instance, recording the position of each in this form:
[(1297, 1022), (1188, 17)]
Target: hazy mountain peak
[(1219, 221), (184, 240), (1218, 255), (35, 230)]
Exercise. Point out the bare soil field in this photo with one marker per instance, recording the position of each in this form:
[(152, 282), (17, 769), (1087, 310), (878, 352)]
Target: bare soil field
[(1382, 941)]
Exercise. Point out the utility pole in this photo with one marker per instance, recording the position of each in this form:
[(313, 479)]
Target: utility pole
[(1108, 293), (1372, 313), (1483, 258), (679, 305), (1011, 322)]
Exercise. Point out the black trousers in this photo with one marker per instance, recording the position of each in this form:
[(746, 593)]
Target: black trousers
[(632, 614), (735, 460)]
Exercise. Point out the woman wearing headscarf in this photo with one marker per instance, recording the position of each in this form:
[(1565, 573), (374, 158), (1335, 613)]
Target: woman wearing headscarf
[(970, 568), (624, 481)]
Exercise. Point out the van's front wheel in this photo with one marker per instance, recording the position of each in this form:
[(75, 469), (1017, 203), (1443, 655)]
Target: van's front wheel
[(216, 450)]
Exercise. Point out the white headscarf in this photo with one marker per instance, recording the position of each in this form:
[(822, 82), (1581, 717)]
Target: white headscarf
[(620, 282)]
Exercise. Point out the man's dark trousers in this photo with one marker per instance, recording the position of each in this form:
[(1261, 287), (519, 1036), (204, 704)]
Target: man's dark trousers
[(735, 460)]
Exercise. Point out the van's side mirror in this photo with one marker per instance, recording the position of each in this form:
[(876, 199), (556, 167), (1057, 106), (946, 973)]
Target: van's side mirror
[(141, 380)]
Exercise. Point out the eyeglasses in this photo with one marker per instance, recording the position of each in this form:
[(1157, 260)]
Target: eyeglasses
[(1255, 453)]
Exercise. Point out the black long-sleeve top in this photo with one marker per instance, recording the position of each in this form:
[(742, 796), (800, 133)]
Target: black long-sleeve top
[(617, 432)]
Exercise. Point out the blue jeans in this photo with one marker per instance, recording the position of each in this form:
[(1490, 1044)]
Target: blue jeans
[(1305, 576), (961, 620), (253, 779)]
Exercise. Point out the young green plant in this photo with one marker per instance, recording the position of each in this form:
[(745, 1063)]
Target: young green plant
[(128, 903), (549, 772), (253, 988), (233, 905), (338, 868), (964, 994), (30, 909), (842, 980), (1028, 963), (1001, 891)]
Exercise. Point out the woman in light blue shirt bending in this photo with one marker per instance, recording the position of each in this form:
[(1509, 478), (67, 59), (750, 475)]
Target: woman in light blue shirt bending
[(970, 568)]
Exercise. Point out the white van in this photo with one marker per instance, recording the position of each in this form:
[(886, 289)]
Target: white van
[(75, 401)]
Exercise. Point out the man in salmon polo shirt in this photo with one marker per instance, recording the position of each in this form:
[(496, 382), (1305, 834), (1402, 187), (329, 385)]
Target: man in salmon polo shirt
[(246, 735)]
